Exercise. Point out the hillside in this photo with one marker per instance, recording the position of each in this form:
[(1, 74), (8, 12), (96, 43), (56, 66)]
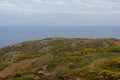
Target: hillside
[(61, 59)]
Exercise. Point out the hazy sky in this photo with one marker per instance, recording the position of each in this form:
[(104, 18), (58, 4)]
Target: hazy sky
[(59, 12)]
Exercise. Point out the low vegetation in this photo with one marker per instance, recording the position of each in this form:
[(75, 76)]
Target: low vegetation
[(61, 59)]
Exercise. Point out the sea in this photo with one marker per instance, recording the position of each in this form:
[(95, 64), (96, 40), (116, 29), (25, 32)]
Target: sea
[(12, 35)]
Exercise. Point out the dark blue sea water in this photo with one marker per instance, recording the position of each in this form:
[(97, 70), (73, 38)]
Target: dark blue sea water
[(12, 35)]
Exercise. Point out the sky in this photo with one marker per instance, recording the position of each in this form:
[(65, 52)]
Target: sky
[(59, 12)]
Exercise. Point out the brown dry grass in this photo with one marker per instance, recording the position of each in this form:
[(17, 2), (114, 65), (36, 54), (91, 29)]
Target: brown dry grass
[(96, 63), (116, 42)]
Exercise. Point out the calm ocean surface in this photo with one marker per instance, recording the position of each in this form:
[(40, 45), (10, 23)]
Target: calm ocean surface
[(13, 35)]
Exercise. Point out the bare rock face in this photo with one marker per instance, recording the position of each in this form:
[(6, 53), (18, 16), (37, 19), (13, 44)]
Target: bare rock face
[(105, 44), (18, 45), (10, 56)]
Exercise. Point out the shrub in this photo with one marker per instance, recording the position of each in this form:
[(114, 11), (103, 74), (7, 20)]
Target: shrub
[(103, 50), (2, 65), (115, 49), (24, 55), (17, 75), (25, 77), (108, 75), (112, 64), (89, 50), (75, 53), (70, 64)]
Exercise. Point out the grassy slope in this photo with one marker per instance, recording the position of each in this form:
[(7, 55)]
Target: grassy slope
[(61, 59)]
